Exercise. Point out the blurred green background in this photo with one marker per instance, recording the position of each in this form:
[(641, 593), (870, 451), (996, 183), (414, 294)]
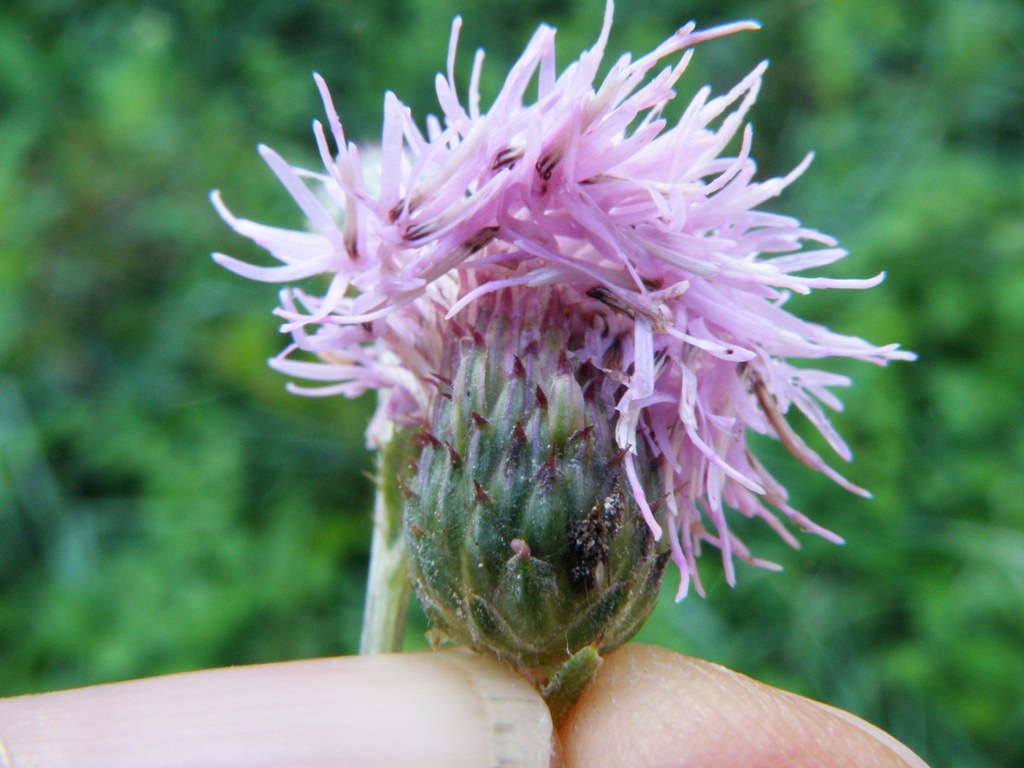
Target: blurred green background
[(165, 505)]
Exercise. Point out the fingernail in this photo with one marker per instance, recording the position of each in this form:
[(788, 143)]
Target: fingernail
[(898, 748), (518, 723)]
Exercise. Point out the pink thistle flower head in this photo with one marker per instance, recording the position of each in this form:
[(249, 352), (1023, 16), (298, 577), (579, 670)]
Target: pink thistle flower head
[(573, 206)]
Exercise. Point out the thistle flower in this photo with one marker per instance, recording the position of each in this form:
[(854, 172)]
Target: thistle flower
[(625, 250)]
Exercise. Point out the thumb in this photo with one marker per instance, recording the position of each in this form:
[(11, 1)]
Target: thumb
[(652, 707)]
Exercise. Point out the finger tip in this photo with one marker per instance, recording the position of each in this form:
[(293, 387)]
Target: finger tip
[(653, 707)]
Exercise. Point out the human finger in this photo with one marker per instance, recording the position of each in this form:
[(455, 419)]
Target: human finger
[(418, 710), (652, 707)]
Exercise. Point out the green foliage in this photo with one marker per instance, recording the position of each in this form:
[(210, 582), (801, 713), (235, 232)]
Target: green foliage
[(164, 505)]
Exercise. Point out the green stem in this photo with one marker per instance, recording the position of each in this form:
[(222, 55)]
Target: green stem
[(387, 586), (568, 683)]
